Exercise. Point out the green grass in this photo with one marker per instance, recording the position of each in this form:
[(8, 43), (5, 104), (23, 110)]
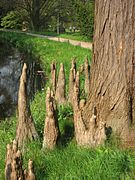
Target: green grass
[(67, 161), (71, 162)]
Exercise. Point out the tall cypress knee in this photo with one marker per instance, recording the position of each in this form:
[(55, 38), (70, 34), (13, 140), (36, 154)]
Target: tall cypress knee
[(53, 76), (25, 126), (61, 85), (72, 81), (51, 128)]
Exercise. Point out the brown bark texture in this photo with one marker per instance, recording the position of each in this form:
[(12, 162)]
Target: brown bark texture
[(51, 128), (95, 134), (25, 127), (29, 174), (71, 81), (87, 76), (112, 82), (14, 163), (53, 76), (61, 85)]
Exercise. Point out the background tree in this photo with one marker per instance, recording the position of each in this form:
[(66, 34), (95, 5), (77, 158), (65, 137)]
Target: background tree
[(112, 85), (84, 16), (49, 14), (59, 15), (38, 11), (62, 15)]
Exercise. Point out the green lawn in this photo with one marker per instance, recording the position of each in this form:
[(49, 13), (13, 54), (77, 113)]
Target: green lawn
[(67, 161), (71, 162)]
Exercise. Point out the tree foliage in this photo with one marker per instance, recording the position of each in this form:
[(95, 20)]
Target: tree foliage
[(5, 7), (13, 20), (38, 11)]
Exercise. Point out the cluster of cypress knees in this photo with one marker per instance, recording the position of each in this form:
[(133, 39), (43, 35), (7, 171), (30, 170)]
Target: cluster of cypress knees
[(90, 136), (14, 163)]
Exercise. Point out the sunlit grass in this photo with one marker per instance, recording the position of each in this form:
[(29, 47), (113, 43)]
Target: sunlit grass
[(71, 161)]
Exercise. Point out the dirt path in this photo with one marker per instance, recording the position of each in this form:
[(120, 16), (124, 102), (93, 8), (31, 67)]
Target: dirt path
[(82, 44), (73, 42)]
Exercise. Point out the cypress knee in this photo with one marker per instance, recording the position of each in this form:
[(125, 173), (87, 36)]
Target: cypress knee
[(14, 163), (51, 129), (60, 90), (25, 126), (53, 76)]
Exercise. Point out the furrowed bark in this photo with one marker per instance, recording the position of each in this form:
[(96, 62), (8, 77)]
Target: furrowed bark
[(112, 83), (93, 135)]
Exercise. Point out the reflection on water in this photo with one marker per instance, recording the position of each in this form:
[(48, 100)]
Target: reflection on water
[(11, 62)]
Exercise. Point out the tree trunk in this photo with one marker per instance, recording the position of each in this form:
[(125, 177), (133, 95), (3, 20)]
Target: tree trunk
[(112, 84), (34, 14)]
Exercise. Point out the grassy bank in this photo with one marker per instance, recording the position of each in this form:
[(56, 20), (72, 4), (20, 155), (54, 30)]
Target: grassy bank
[(47, 51), (67, 161)]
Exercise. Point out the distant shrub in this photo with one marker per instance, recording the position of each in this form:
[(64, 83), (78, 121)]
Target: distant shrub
[(13, 20)]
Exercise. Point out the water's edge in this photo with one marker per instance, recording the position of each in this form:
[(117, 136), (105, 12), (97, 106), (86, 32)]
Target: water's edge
[(11, 62)]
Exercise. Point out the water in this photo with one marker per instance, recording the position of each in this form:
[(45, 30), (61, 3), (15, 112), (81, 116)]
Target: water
[(11, 62)]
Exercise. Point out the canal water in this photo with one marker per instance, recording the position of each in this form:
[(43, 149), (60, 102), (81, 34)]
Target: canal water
[(11, 63)]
